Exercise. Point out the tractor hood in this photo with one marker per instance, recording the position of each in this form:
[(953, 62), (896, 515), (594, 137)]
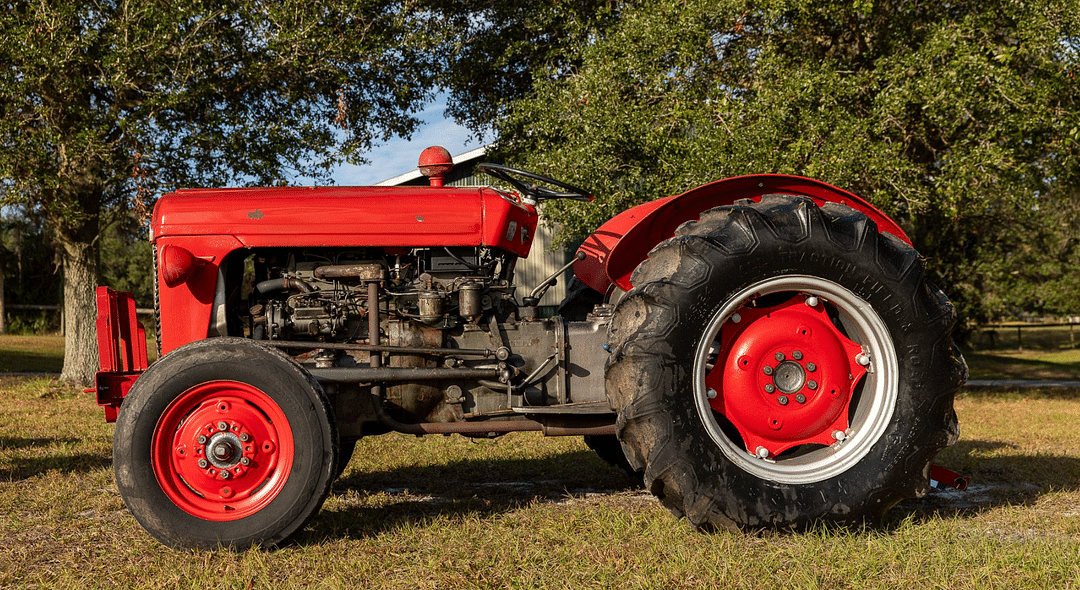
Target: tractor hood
[(336, 216)]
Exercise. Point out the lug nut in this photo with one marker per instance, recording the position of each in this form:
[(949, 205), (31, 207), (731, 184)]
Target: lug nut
[(812, 385), (202, 463), (768, 370), (782, 400), (225, 474), (244, 461), (800, 398), (796, 355), (811, 367), (222, 426), (244, 436), (201, 439), (770, 388), (779, 356)]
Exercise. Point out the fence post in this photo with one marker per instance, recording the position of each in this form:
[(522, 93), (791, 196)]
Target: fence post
[(1019, 342)]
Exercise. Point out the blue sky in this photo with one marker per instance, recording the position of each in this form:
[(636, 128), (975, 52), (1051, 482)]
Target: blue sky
[(399, 156)]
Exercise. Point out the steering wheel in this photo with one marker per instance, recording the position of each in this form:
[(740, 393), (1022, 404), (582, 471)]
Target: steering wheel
[(533, 190)]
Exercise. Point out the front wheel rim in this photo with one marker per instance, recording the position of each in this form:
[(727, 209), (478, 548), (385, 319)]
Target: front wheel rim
[(793, 407), (222, 450)]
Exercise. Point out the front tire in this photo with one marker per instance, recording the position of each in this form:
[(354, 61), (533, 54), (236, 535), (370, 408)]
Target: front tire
[(780, 363), (224, 442)]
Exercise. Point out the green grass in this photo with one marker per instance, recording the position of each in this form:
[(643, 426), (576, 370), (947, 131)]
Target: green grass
[(1027, 364), (523, 511), (37, 354), (1017, 336), (42, 354)]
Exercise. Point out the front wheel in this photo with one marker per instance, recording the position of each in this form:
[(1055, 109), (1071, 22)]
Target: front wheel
[(780, 363), (224, 443)]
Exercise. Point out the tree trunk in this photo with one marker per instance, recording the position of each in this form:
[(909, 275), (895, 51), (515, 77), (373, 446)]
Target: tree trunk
[(79, 256), (3, 318)]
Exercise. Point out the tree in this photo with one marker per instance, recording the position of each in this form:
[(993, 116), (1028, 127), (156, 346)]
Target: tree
[(495, 50), (960, 119), (104, 103)]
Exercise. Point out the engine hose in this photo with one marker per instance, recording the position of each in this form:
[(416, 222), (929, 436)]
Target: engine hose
[(282, 284)]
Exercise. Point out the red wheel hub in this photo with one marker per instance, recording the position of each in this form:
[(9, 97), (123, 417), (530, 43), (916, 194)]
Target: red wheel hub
[(222, 450), (785, 376)]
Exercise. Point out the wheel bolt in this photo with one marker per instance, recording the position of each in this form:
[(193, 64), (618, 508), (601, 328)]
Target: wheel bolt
[(202, 463), (800, 398), (244, 436), (863, 360), (796, 355), (736, 318), (770, 388), (811, 367), (225, 474), (768, 370), (782, 400), (711, 394), (812, 385), (222, 426), (201, 439), (812, 301), (245, 461), (779, 356), (761, 452), (839, 435)]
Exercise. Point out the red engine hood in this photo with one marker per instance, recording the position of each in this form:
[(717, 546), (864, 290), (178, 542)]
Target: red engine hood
[(349, 216)]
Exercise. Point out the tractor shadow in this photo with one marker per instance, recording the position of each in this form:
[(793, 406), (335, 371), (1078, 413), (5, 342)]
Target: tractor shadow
[(363, 504), (373, 502), (30, 457), (999, 477)]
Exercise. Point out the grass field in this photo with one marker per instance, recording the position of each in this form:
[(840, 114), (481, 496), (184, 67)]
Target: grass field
[(522, 511)]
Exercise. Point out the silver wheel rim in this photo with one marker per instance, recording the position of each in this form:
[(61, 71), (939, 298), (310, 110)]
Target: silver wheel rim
[(872, 414)]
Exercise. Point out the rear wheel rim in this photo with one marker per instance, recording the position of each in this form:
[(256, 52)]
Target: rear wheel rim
[(222, 450), (787, 419)]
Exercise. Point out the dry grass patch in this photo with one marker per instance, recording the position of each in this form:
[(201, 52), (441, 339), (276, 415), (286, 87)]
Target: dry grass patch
[(527, 512)]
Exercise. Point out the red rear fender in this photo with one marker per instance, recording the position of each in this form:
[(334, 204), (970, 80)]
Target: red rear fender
[(615, 250)]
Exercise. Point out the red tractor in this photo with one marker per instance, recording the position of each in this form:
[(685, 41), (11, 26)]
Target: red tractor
[(764, 351)]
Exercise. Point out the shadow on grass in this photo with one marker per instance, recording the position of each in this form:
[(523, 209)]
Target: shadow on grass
[(996, 480), (410, 497), (1019, 393), (417, 495), (987, 365), (62, 460), (17, 361)]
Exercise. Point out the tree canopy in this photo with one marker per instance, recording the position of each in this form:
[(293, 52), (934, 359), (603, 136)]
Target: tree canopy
[(961, 120), (104, 103)]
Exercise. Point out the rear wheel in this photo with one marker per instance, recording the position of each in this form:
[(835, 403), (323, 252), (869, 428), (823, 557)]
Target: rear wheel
[(780, 363), (224, 442)]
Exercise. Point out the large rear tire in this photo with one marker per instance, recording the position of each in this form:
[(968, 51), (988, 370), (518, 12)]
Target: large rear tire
[(224, 443), (780, 363)]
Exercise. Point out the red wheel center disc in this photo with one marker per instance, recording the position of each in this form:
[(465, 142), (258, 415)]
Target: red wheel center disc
[(222, 450), (785, 376)]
